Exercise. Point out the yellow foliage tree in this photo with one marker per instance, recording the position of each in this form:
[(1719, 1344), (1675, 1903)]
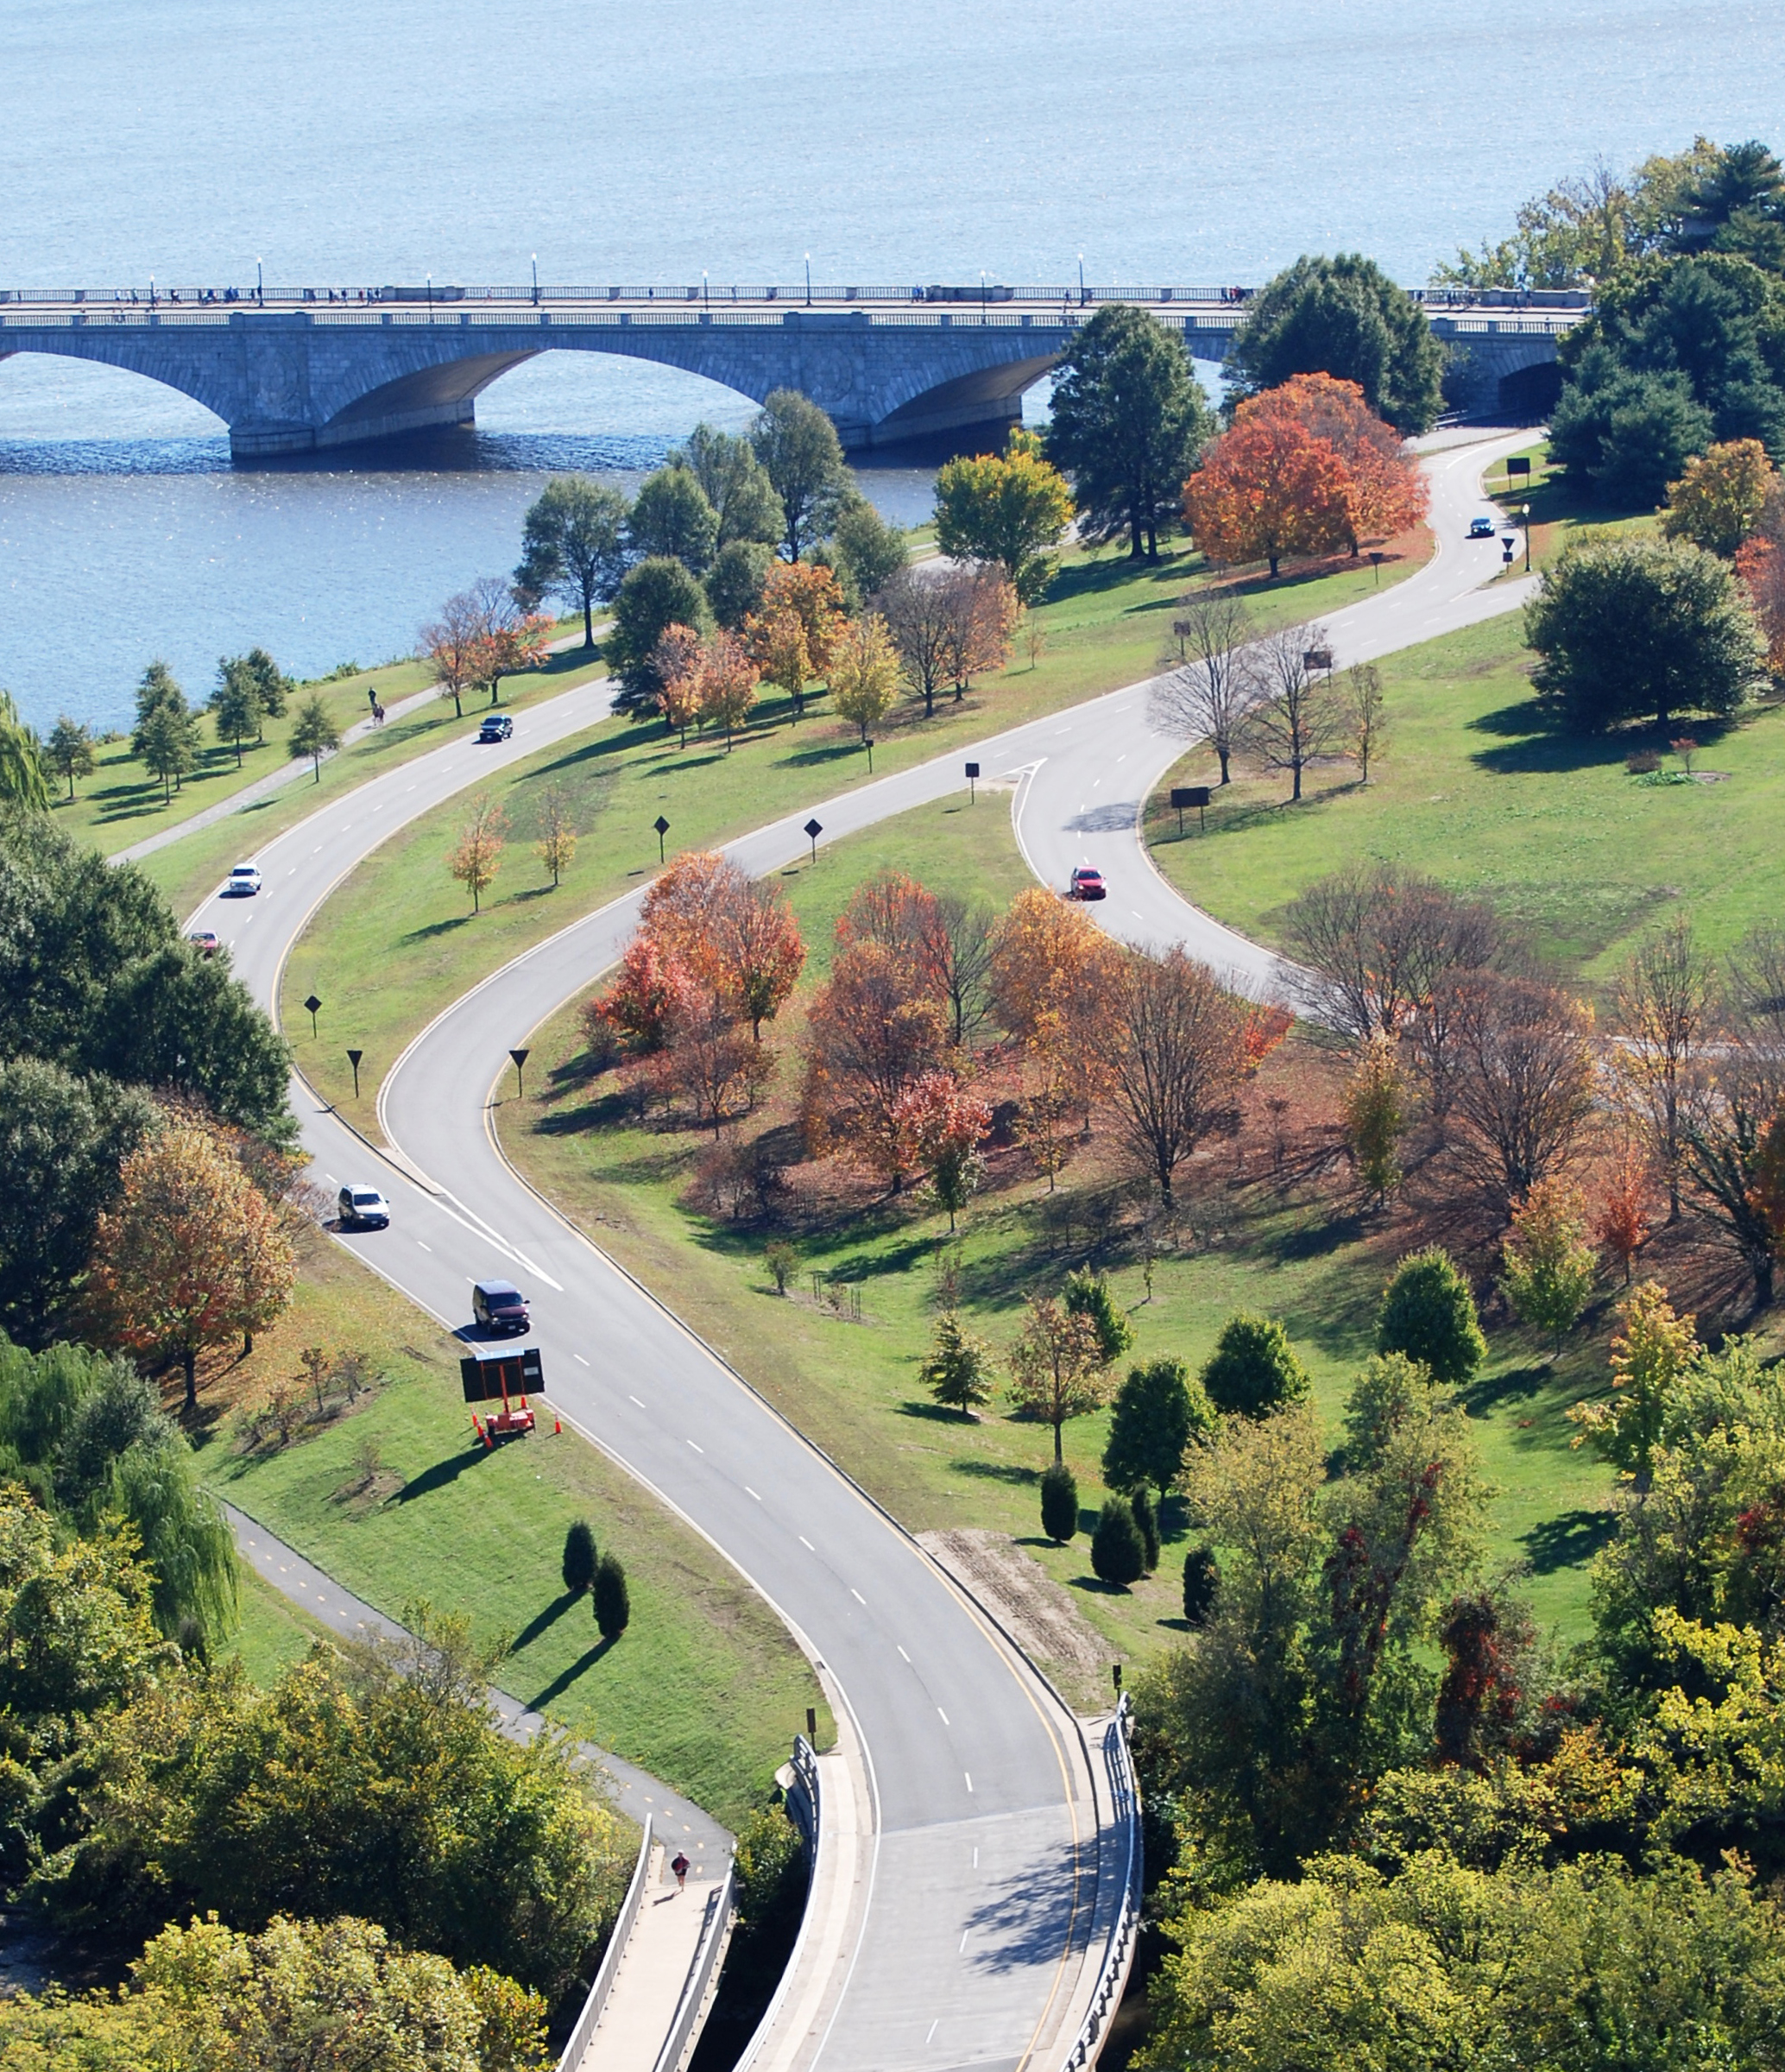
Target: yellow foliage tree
[(864, 673), (1717, 502), (479, 855)]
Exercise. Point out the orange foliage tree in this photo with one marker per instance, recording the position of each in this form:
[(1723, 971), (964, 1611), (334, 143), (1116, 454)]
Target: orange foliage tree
[(938, 1127), (1620, 1223), (1382, 490), (1268, 488), (676, 660), (981, 608), (191, 1253), (1760, 563), (478, 856), (728, 684)]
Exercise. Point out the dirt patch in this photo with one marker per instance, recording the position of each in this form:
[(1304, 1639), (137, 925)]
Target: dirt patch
[(1029, 1605)]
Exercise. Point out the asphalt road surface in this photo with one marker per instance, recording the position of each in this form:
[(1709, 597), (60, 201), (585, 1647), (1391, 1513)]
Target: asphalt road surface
[(979, 1900)]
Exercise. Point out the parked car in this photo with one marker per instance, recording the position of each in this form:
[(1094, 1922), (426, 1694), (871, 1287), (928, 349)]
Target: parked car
[(204, 940), (363, 1208), (1481, 528), (1087, 884), (499, 1305), (497, 727), (244, 882)]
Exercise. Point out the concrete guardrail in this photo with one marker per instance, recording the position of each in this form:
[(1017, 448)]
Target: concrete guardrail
[(805, 1802), (597, 2000), (1118, 1951), (697, 1988)]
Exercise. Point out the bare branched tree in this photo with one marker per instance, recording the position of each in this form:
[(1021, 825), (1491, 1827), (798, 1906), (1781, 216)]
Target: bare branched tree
[(1213, 684), (1177, 1055), (960, 947), (1366, 714), (920, 616), (1376, 941), (1522, 1079), (1666, 1003), (1298, 714)]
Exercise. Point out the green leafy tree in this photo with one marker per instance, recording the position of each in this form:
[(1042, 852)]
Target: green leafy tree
[(96, 977), (1550, 1266), (1385, 1392), (168, 741), (671, 516), (1649, 1357), (655, 596), (868, 550), (573, 545), (62, 1139), (1088, 1294), (1253, 1369), (1059, 1502), (1129, 420), (1117, 1550), (1201, 1578), (1719, 500), (1641, 628), (958, 1371), (272, 687), (1428, 1313), (155, 687), (1056, 1366), (734, 582), (1626, 432), (24, 773), (69, 751), (613, 1608), (579, 1562), (797, 447), (314, 734), (1007, 508), (1158, 1410), (1146, 1523), (1343, 316), (1376, 1117), (236, 708), (733, 481)]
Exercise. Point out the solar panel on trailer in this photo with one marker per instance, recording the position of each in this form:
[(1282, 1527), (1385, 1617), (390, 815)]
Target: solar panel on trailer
[(482, 1378)]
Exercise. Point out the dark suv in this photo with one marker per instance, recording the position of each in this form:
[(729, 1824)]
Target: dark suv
[(499, 1305)]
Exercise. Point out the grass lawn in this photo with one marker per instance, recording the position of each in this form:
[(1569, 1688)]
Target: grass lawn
[(398, 941), (705, 1689), (273, 1631), (1268, 1244), (1554, 830)]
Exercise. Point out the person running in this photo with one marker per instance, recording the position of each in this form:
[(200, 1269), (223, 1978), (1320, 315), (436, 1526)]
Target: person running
[(679, 1864)]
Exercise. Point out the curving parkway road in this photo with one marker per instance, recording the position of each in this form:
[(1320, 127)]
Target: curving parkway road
[(973, 1902)]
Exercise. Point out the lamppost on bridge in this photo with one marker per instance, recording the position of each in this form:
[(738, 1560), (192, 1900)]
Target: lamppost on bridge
[(1080, 280), (151, 291), (809, 280), (706, 300), (259, 283), (429, 298), (982, 295), (536, 280)]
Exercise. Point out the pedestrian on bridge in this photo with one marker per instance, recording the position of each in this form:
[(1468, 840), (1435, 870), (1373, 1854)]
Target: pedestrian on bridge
[(680, 1865)]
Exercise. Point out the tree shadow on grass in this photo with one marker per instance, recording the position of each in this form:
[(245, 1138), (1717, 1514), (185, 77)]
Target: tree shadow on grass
[(1510, 1385), (543, 1621), (999, 1471), (1534, 746), (1315, 1240), (437, 928), (1569, 1540), (442, 1473), (935, 1413), (562, 1681)]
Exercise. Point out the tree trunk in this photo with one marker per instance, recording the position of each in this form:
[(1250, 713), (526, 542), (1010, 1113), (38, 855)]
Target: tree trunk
[(1222, 753), (247, 1343), (1296, 791), (1272, 559), (192, 1377), (588, 620), (1059, 1459)]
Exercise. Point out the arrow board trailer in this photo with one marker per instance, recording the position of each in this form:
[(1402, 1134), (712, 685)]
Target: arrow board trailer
[(510, 1376)]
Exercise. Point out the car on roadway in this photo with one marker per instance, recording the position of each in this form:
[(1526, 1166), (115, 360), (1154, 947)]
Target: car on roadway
[(1481, 528), (244, 882), (204, 940), (362, 1209), (1087, 884), (497, 727), (499, 1305)]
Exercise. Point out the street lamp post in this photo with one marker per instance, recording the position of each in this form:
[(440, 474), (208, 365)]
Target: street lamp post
[(151, 291), (429, 298), (1080, 280), (706, 300), (809, 280), (536, 280), (260, 284), (982, 295), (1525, 513)]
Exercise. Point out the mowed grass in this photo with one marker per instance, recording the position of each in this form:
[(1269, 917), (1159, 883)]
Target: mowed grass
[(1472, 789), (272, 1632), (188, 870), (399, 940), (706, 1688), (853, 1387)]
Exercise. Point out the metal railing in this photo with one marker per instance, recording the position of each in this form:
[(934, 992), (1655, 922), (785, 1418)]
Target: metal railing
[(715, 1932), (1112, 1971), (574, 2050), (805, 1802)]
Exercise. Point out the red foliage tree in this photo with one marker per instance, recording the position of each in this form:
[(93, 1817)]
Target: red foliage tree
[(1384, 491), (1268, 488)]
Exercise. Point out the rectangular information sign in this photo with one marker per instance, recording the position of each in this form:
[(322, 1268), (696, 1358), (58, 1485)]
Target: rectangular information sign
[(1520, 463), (485, 1376), (1189, 794)]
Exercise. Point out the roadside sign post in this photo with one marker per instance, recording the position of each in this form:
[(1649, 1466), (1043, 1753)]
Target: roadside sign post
[(973, 772), (484, 1377), (521, 1058), (1507, 544), (868, 745), (812, 830), (661, 826), (311, 1006), (1376, 562), (353, 1059), (1318, 660), (1184, 795)]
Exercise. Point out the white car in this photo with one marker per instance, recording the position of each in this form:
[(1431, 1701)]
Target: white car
[(363, 1208), (244, 882)]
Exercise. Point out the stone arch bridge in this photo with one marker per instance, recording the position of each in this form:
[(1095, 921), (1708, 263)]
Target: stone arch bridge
[(295, 371)]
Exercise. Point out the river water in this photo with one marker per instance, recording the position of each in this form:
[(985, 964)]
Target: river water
[(384, 140)]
